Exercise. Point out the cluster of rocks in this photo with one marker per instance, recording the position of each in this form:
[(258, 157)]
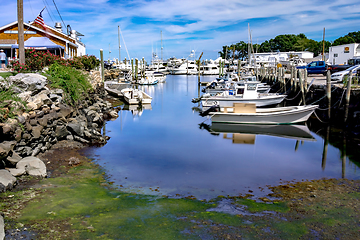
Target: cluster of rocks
[(47, 120)]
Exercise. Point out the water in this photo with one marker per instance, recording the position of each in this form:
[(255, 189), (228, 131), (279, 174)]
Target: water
[(171, 150)]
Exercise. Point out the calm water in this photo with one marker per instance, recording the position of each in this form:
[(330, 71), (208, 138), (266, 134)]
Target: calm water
[(166, 149)]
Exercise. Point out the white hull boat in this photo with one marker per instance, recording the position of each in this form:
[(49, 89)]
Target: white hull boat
[(147, 80), (242, 93), (114, 88), (135, 96), (249, 114)]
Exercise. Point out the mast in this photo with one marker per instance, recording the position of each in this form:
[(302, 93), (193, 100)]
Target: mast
[(119, 44), (161, 46), (249, 51)]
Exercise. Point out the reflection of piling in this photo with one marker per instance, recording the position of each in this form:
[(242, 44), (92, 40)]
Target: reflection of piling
[(343, 167), (296, 145), (328, 92), (348, 91), (325, 149)]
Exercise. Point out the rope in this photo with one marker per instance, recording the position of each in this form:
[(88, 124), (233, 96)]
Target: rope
[(321, 98), (293, 97), (319, 118)]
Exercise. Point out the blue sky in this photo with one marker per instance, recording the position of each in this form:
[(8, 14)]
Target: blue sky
[(200, 25)]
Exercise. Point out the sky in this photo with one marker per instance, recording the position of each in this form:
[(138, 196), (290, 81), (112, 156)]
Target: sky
[(187, 25)]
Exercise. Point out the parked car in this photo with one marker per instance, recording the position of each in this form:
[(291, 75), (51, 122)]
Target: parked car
[(315, 67), (339, 76), (337, 68)]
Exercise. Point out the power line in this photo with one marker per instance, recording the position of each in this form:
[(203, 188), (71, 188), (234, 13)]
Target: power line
[(59, 13), (47, 9), (31, 8)]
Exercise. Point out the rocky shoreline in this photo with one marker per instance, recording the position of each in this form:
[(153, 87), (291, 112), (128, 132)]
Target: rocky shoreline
[(43, 121)]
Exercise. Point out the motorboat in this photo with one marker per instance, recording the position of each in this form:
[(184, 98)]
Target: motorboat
[(242, 92), (210, 68), (248, 114), (147, 80), (187, 67), (114, 88), (159, 76), (136, 96)]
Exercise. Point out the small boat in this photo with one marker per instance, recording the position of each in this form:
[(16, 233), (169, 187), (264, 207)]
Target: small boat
[(159, 76), (248, 114), (242, 92), (114, 88), (147, 80), (136, 96)]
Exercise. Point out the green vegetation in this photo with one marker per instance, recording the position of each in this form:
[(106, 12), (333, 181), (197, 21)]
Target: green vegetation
[(10, 104), (286, 43), (74, 83), (7, 74), (37, 60)]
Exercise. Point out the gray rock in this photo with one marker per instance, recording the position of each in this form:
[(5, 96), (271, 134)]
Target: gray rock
[(6, 147), (76, 128), (33, 166), (14, 158), (36, 131), (7, 180), (17, 172), (61, 132), (29, 81)]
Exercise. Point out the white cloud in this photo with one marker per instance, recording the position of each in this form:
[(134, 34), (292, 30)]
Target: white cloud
[(187, 24)]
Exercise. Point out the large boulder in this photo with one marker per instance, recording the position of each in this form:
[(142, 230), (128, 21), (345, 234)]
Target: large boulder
[(29, 81), (2, 228), (33, 166), (6, 147), (7, 180)]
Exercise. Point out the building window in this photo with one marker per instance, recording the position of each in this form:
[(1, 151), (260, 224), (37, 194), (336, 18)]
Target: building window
[(335, 55)]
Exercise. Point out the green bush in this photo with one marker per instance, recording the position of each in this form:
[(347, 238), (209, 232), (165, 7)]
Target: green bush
[(74, 83)]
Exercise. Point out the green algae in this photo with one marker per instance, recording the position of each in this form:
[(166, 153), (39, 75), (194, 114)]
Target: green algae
[(253, 206)]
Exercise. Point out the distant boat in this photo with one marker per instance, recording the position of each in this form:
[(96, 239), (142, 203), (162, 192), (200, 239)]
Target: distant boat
[(187, 67), (242, 93), (147, 80), (249, 114)]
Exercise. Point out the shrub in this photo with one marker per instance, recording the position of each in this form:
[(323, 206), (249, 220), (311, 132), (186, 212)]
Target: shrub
[(74, 83)]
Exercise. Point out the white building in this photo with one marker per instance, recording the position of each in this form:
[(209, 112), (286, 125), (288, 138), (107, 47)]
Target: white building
[(342, 53)]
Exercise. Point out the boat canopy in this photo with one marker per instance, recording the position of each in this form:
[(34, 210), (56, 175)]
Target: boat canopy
[(39, 43)]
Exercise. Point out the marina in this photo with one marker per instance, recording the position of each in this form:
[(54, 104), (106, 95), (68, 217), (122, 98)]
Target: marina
[(185, 154)]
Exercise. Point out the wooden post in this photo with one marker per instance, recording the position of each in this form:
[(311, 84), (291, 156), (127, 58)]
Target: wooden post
[(136, 68), (20, 17), (301, 82), (132, 70), (102, 65), (305, 80), (292, 76), (348, 91), (328, 92), (238, 67)]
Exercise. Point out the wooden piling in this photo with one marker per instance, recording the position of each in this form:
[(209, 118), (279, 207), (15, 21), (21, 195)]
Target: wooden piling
[(328, 93), (136, 68), (102, 65), (348, 91), (305, 81), (301, 84)]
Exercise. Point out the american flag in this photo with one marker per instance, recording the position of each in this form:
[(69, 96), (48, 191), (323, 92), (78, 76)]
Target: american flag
[(39, 20)]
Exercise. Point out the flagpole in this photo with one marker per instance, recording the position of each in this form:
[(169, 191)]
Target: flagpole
[(20, 16)]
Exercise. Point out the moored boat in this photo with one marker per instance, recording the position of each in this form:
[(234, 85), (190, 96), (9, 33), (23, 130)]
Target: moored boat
[(249, 114), (136, 96)]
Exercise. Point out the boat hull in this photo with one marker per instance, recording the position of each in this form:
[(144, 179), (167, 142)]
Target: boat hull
[(229, 101), (282, 115)]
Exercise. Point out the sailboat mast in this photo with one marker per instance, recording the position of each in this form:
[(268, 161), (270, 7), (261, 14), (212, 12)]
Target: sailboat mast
[(119, 44), (161, 46), (249, 51)]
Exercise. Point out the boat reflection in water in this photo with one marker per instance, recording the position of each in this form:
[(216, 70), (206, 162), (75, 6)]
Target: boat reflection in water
[(136, 110), (245, 133)]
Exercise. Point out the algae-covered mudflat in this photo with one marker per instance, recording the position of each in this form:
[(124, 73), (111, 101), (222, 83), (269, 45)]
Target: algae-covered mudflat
[(79, 203)]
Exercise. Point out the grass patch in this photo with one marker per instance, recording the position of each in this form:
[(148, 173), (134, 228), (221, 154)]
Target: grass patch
[(74, 82), (7, 74)]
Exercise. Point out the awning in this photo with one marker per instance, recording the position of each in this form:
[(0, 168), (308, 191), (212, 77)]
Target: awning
[(41, 43)]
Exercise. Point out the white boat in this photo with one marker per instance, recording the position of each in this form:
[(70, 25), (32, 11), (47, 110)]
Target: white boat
[(136, 96), (209, 68), (159, 76), (249, 114), (114, 88), (242, 93), (187, 67), (147, 80)]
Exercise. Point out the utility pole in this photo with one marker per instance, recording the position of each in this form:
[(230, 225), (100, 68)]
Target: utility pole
[(323, 52), (20, 14)]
